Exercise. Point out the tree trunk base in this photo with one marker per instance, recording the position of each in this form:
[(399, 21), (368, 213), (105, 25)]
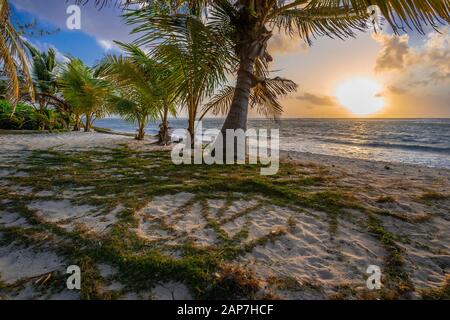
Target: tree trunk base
[(164, 137), (140, 135)]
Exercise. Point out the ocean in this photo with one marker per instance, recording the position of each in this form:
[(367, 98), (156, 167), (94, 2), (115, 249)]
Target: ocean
[(412, 141)]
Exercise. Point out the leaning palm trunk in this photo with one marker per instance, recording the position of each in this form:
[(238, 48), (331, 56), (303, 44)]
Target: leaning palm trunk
[(237, 117), (164, 138), (250, 47)]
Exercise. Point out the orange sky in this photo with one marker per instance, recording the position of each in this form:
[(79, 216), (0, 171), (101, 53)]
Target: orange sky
[(415, 77)]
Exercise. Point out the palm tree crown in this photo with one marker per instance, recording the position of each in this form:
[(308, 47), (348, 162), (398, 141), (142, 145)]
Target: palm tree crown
[(84, 91), (139, 95), (245, 26)]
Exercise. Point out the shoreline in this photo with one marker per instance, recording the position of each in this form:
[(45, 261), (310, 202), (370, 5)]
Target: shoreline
[(284, 154), (307, 233)]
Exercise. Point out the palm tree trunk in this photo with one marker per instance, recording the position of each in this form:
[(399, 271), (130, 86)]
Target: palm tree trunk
[(77, 124), (141, 133), (87, 127), (164, 137), (191, 127), (237, 117)]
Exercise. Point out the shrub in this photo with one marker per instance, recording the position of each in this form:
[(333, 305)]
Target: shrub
[(27, 118)]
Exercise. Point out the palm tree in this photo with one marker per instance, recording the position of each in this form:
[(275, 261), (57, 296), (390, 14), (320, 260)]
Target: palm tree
[(13, 56), (44, 80), (264, 97), (139, 95), (168, 99), (249, 25), (85, 92), (44, 64), (197, 60)]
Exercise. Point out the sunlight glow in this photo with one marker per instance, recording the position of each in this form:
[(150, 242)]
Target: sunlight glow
[(361, 96)]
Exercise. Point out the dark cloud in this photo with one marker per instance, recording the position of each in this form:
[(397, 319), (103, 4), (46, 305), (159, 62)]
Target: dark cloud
[(317, 100), (397, 90)]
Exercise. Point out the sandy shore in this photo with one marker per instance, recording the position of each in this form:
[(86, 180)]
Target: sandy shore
[(312, 254)]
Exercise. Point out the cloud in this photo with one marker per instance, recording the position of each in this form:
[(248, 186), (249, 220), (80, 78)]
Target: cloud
[(106, 44), (104, 25), (281, 44), (394, 52), (317, 100), (44, 46), (417, 76), (424, 65), (397, 90)]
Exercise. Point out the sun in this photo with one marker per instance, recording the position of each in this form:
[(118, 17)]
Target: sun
[(361, 96)]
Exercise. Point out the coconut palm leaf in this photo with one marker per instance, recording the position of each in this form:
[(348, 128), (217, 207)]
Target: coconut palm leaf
[(264, 98), (13, 56), (85, 92), (44, 64), (139, 95)]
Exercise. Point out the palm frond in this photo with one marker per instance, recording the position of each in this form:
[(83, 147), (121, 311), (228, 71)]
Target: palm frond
[(13, 55), (12, 92), (264, 98), (139, 95), (85, 92), (220, 103)]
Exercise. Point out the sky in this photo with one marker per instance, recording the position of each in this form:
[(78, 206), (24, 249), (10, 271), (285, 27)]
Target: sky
[(374, 75)]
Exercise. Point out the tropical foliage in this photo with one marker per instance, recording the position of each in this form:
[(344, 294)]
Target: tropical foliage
[(139, 95), (13, 57), (194, 49), (246, 26), (26, 117), (196, 57), (44, 64), (85, 92)]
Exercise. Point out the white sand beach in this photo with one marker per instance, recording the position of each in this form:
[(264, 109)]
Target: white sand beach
[(292, 252)]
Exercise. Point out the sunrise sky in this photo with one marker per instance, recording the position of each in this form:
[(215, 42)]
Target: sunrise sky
[(405, 76)]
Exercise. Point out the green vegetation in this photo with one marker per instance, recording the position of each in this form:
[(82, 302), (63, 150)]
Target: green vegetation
[(85, 92), (385, 199), (139, 94), (432, 196), (242, 29), (127, 179), (26, 117), (396, 280), (120, 178), (13, 57)]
